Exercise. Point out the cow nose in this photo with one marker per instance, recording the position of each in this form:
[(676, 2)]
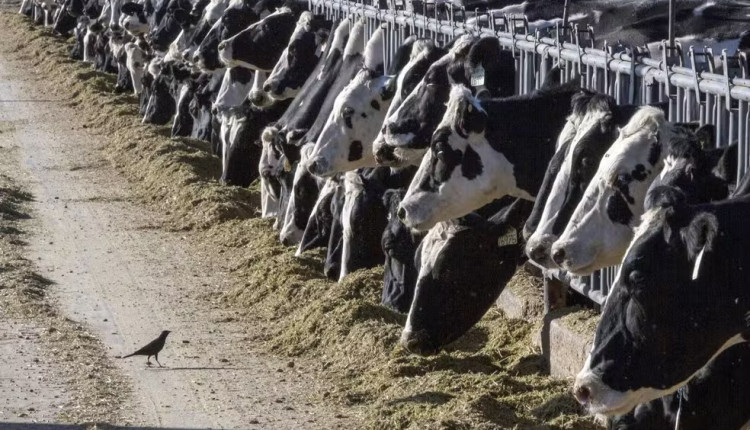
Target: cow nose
[(384, 153), (267, 87), (538, 253), (401, 214), (222, 45), (558, 256), (582, 393), (312, 167)]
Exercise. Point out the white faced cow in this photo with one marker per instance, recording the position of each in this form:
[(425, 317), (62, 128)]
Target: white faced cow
[(602, 225)]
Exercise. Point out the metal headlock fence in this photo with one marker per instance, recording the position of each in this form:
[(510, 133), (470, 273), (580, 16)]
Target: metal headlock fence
[(697, 84)]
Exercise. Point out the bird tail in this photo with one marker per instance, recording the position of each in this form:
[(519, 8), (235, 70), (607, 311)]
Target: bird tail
[(126, 356)]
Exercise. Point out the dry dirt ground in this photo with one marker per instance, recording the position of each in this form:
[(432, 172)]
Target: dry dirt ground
[(124, 280)]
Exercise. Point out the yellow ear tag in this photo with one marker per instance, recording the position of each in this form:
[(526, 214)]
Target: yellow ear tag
[(287, 165)]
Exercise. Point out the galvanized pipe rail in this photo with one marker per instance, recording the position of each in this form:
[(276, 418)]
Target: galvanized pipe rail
[(695, 92)]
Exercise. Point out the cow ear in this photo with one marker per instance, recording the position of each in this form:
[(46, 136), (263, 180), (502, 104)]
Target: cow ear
[(700, 234), (706, 136)]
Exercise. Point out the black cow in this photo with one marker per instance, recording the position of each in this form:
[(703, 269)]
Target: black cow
[(365, 217), (176, 16), (451, 296), (399, 245), (332, 266), (318, 228), (165, 92), (241, 142), (717, 398), (690, 168), (679, 300)]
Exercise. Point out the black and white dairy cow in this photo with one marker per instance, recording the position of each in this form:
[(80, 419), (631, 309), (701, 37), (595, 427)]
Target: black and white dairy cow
[(483, 150), (350, 64), (407, 131), (298, 60), (318, 229), (680, 299), (717, 398), (602, 225), (259, 46), (451, 296), (596, 119), (134, 19), (238, 15), (346, 140), (292, 126)]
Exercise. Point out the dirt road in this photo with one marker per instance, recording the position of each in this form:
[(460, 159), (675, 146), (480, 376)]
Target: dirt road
[(117, 273)]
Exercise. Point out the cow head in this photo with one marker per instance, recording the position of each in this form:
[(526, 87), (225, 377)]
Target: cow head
[(407, 132), (450, 297), (596, 118), (318, 228), (423, 54), (170, 26), (363, 219), (305, 189), (602, 224), (235, 18), (459, 173), (399, 246), (133, 19), (678, 301), (689, 167), (358, 112), (299, 58), (259, 46)]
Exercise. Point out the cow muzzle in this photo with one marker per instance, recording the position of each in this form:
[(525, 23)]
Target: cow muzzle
[(418, 342)]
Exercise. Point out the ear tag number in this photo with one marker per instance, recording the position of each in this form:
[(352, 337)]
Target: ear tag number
[(477, 78)]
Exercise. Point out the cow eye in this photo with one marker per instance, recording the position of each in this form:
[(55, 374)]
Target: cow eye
[(636, 278), (347, 112)]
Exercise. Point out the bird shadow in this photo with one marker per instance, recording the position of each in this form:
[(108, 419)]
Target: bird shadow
[(167, 368)]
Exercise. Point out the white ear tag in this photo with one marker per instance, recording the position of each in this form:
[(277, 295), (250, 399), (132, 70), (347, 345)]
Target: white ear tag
[(698, 260), (477, 78)]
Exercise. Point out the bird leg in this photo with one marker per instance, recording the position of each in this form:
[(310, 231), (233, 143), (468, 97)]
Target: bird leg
[(156, 357), (148, 360)]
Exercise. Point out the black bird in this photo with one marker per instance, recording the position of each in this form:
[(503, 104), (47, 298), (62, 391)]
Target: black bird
[(153, 348)]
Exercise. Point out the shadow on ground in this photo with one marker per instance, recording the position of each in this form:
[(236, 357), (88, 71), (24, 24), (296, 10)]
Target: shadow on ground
[(5, 425)]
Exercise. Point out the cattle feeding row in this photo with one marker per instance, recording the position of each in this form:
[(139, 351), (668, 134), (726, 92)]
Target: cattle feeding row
[(434, 169)]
